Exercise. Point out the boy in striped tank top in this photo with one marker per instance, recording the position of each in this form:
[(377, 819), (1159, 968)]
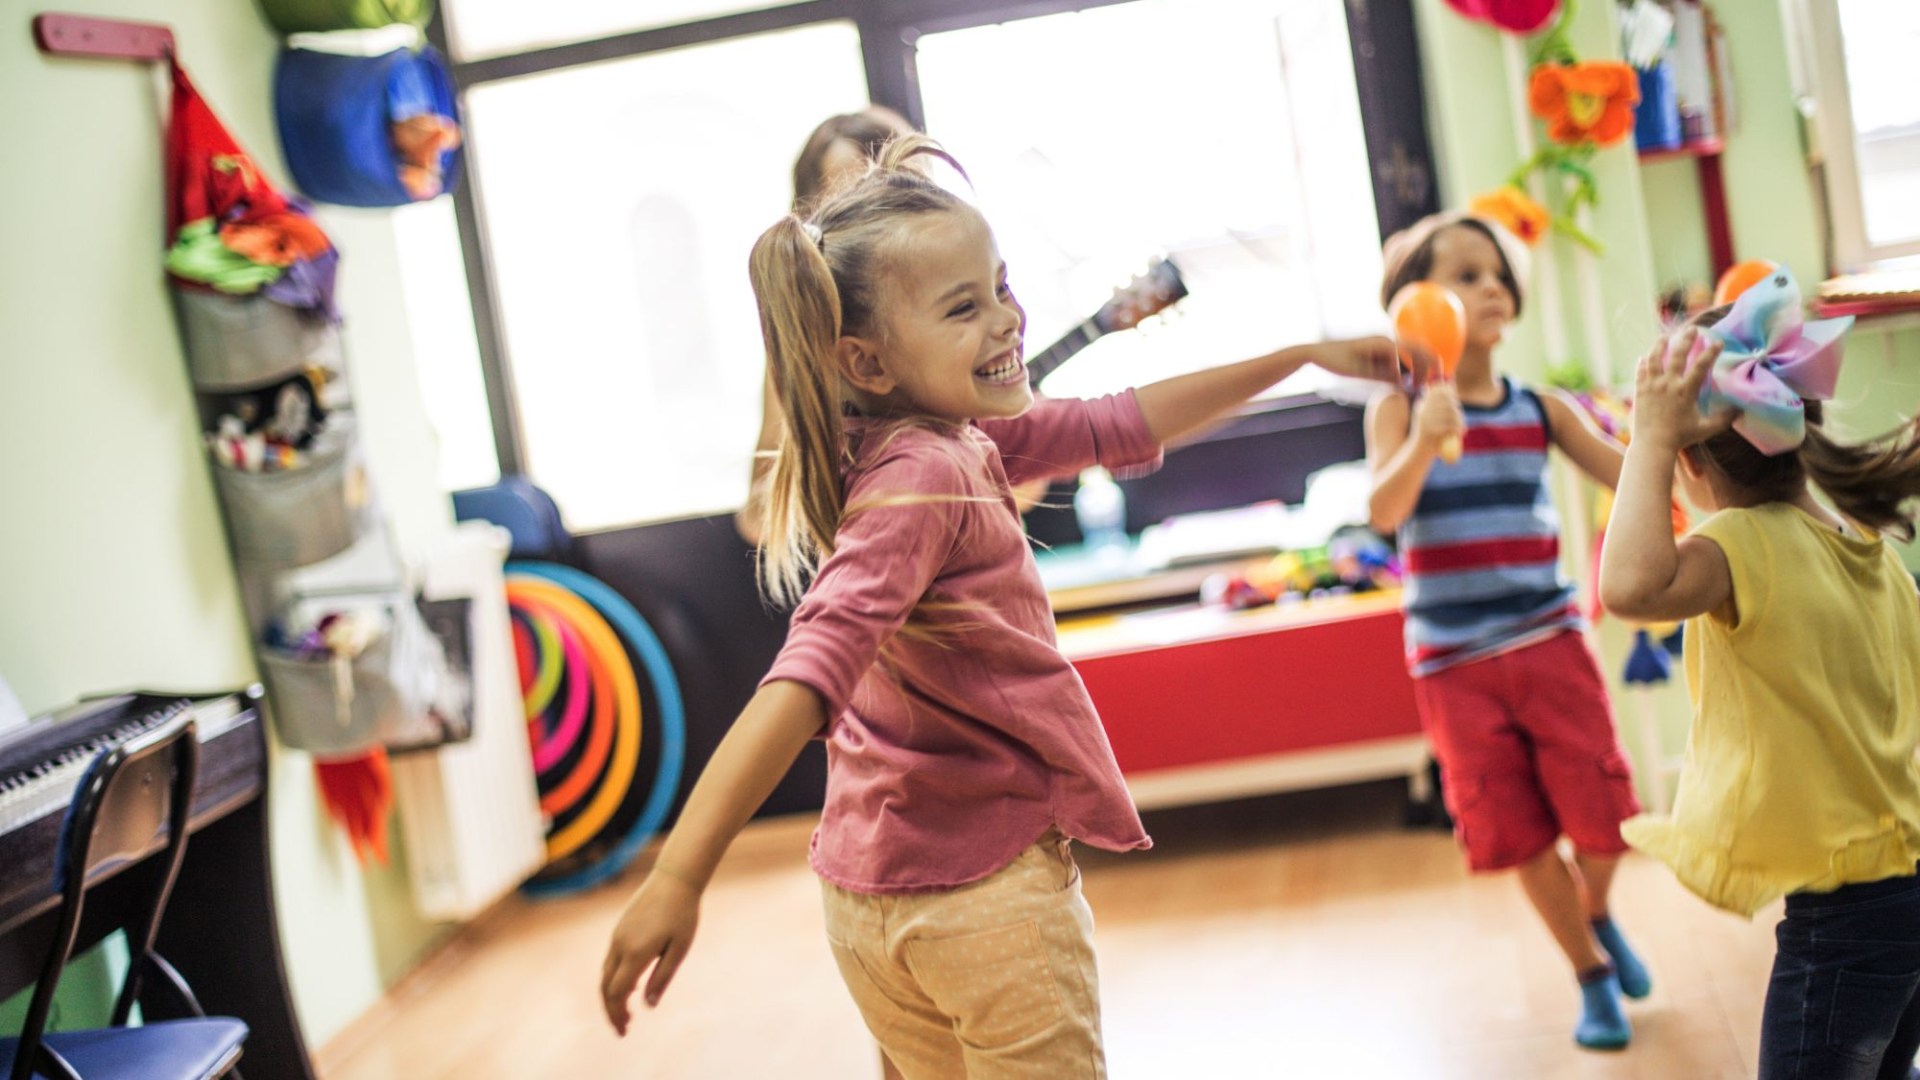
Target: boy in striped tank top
[(1508, 689)]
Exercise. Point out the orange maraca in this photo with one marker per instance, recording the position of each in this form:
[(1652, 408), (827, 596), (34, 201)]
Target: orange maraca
[(1430, 316), (1740, 277)]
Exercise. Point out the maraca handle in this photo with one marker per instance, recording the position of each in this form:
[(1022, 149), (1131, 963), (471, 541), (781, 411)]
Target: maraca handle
[(1450, 448)]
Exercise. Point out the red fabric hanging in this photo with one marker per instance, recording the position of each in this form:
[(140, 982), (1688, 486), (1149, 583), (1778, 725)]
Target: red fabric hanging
[(358, 793), (228, 227), (208, 175)]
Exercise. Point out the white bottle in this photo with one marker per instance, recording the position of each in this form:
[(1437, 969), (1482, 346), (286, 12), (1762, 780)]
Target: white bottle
[(1100, 509)]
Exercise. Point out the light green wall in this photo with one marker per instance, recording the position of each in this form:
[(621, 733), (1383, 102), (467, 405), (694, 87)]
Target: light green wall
[(115, 571)]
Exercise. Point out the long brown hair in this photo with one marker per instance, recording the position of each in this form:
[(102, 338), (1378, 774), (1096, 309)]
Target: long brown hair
[(810, 293), (1869, 481), (869, 130)]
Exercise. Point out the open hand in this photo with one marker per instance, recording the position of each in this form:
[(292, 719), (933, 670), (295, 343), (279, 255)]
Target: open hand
[(1666, 391), (1375, 358), (657, 925)]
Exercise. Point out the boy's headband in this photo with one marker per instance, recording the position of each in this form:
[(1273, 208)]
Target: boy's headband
[(1771, 362)]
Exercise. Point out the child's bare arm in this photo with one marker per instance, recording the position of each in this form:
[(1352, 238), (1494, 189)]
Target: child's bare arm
[(1403, 439), (1596, 453), (1644, 573), (1186, 403), (659, 921)]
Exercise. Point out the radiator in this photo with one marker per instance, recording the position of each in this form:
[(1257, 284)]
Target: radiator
[(469, 812)]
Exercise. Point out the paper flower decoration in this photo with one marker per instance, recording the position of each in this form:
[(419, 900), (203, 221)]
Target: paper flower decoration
[(1587, 102), (1514, 209), (1513, 16)]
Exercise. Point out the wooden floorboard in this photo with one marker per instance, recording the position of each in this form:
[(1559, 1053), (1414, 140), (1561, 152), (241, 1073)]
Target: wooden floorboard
[(1305, 935)]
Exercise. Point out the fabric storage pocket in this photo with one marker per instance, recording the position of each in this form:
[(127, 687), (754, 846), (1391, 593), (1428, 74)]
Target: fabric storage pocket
[(240, 342), (331, 706), (319, 16), (433, 686), (342, 119), (298, 516)]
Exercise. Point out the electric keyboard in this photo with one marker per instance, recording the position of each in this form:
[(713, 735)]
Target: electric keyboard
[(41, 763), (221, 931)]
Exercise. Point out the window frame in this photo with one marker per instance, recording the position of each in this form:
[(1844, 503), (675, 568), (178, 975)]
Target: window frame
[(1387, 78), (1826, 106)]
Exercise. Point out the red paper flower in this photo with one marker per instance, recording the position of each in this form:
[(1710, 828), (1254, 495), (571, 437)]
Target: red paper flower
[(1591, 101), (1513, 16)]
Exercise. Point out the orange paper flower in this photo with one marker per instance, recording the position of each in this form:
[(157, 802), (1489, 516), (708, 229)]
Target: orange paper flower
[(1591, 101), (1512, 208)]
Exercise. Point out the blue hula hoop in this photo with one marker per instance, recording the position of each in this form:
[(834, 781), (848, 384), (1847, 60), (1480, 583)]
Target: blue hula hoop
[(673, 723)]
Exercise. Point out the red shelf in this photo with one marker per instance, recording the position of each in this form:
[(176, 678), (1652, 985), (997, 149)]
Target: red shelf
[(1702, 148)]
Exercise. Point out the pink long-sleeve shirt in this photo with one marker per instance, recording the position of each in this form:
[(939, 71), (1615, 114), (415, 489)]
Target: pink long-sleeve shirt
[(946, 759)]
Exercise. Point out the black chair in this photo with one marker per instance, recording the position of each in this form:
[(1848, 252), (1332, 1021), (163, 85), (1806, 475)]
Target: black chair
[(129, 795)]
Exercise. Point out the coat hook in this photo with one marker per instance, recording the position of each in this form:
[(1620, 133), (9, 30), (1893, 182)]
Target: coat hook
[(60, 34)]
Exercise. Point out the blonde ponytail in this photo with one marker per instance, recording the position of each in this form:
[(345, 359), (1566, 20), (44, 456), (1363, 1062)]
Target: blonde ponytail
[(799, 322)]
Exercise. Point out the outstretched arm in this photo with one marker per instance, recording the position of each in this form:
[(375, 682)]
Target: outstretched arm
[(1644, 573), (657, 926), (1596, 453), (1186, 403)]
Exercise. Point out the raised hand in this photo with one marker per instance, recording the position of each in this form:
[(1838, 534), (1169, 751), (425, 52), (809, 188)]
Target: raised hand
[(1666, 391)]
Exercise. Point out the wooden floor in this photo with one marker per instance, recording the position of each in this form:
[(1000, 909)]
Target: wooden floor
[(1306, 935)]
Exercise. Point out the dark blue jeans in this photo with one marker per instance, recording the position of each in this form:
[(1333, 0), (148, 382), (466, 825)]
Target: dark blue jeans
[(1842, 1003)]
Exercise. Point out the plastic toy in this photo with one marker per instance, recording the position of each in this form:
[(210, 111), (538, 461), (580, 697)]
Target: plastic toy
[(1740, 277), (1431, 317)]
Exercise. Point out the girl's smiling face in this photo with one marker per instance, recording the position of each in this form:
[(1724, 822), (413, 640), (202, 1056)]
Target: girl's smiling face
[(950, 342), (1466, 261)]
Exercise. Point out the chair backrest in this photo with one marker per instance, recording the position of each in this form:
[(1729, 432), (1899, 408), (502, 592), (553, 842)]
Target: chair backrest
[(130, 794)]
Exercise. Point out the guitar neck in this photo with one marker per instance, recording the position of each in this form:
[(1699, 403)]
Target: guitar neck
[(1061, 351)]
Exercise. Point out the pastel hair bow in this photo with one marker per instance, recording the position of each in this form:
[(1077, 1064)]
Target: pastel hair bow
[(1771, 363)]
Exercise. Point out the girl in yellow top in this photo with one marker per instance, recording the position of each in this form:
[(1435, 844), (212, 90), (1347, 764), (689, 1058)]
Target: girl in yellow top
[(1803, 664)]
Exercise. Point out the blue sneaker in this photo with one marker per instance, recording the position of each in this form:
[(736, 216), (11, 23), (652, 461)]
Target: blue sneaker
[(1603, 1025), (1635, 981)]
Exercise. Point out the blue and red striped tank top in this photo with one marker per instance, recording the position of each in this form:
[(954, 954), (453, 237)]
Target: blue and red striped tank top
[(1481, 550)]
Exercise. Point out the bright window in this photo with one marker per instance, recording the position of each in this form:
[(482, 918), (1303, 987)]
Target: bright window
[(619, 199), (441, 320), (620, 202), (1869, 124), (483, 28), (1222, 133)]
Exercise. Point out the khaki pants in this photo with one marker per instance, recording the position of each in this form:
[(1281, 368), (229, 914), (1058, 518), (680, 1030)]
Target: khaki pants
[(992, 979)]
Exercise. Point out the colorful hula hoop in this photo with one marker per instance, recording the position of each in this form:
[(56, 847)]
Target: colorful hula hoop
[(625, 737), (547, 652), (551, 742), (587, 605), (566, 792)]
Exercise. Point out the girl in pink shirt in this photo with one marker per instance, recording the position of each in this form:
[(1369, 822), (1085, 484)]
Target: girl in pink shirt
[(963, 752)]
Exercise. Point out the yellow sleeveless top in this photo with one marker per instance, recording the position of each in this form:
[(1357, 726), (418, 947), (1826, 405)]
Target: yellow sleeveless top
[(1800, 769)]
